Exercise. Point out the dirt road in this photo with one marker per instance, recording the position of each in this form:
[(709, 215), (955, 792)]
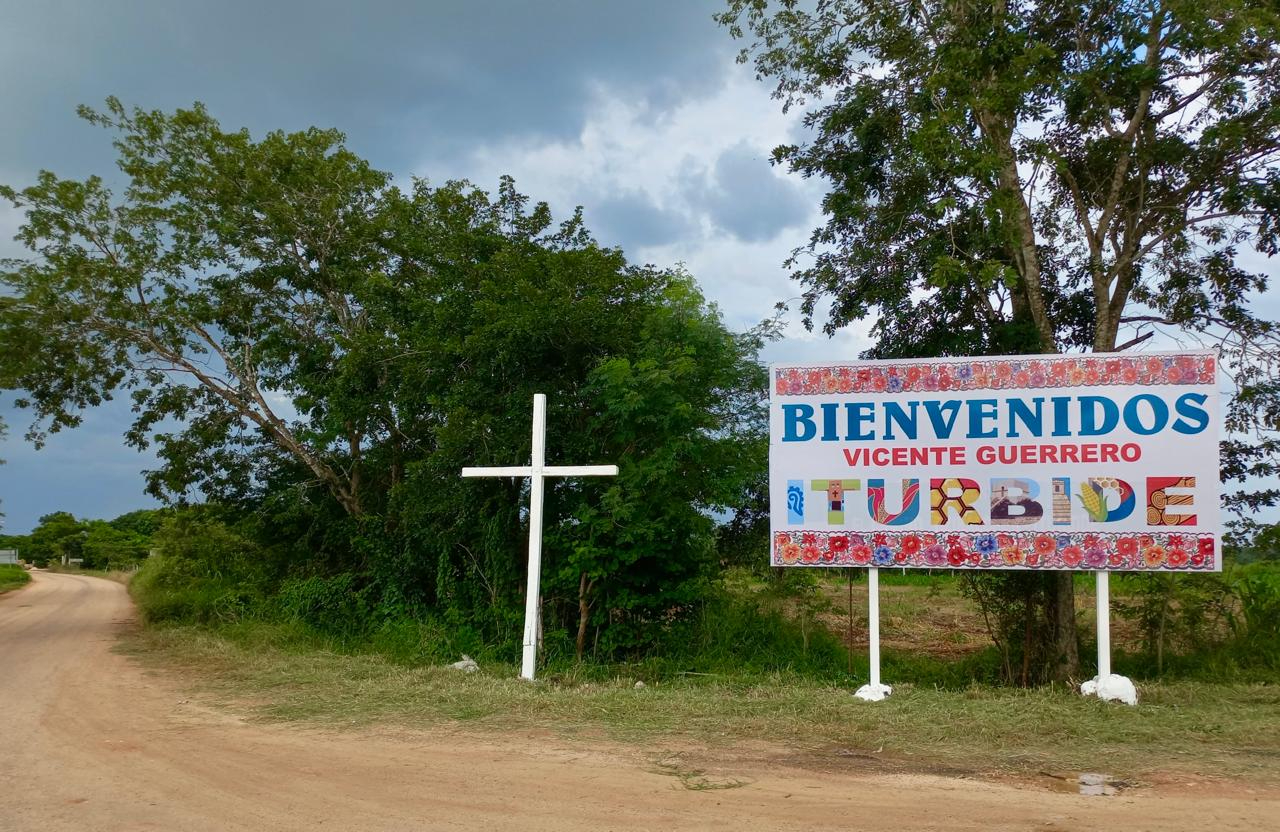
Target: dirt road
[(89, 741)]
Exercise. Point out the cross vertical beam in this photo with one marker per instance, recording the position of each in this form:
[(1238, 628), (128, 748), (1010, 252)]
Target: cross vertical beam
[(529, 657), (537, 471)]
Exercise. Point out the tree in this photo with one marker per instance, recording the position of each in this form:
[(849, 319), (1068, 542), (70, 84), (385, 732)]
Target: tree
[(1031, 177), (107, 547), (143, 522), (334, 350), (221, 289), (4, 431), (56, 536), (495, 303)]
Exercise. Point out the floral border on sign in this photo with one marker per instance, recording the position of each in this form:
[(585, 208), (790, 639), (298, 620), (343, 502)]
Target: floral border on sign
[(996, 374), (997, 550)]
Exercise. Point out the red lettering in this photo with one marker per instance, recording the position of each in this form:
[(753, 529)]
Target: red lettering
[(956, 455), (1049, 453), (919, 456), (1070, 453), (880, 456), (1130, 452), (1109, 453), (899, 456), (986, 455), (1089, 453)]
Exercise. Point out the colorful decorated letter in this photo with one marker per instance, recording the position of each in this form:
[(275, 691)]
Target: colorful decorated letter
[(1168, 499), (954, 496), (1095, 496), (835, 497), (1013, 502), (878, 509)]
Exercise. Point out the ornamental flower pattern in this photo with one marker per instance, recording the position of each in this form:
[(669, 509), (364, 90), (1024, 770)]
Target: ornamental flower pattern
[(995, 374), (1154, 552)]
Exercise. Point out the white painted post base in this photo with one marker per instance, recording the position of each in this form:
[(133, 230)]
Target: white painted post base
[(1107, 686), (873, 691), (1113, 688)]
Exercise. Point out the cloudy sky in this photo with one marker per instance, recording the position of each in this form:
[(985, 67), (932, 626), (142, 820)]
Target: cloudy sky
[(637, 111)]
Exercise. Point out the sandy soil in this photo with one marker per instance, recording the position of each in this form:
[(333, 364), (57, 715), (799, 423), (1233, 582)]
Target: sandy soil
[(89, 741)]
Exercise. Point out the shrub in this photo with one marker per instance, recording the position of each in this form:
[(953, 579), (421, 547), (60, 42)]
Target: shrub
[(334, 605), (204, 572)]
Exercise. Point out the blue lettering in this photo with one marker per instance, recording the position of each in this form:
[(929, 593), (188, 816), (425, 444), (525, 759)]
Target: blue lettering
[(893, 412), (1159, 412), (1032, 420), (1191, 406), (829, 411), (859, 413), (981, 411), (1060, 422), (942, 429), (797, 423), (1089, 416)]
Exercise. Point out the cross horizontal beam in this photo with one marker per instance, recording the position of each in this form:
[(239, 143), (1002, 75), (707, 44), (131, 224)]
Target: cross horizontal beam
[(516, 471), (548, 471), (580, 471)]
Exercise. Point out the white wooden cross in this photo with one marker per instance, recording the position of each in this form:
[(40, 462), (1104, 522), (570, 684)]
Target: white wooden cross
[(537, 472)]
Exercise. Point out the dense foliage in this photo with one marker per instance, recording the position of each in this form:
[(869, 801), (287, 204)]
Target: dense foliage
[(333, 350), (121, 543)]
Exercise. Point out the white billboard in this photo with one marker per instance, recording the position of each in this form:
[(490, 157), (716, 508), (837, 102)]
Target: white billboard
[(1097, 462)]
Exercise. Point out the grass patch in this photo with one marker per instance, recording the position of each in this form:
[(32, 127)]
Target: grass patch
[(12, 577), (276, 673)]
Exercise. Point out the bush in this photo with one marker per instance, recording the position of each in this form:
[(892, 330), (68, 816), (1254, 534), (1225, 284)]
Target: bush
[(1256, 626), (334, 606), (164, 593), (12, 576), (1206, 626), (204, 573)]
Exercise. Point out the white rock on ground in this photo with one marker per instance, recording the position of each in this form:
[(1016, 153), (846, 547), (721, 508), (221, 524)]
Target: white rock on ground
[(1113, 688), (873, 693), (467, 665)]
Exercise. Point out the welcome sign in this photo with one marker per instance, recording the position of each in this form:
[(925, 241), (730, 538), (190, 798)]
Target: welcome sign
[(1096, 462)]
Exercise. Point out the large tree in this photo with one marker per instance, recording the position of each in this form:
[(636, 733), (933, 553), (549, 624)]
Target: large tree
[(1039, 176), (307, 342), (225, 282)]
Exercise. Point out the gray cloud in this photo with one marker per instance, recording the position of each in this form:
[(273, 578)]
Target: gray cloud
[(405, 79), (633, 220), (746, 198)]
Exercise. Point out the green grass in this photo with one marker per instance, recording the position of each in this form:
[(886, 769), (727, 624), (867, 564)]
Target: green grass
[(12, 577), (273, 673)]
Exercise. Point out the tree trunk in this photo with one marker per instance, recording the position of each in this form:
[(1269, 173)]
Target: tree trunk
[(1060, 602), (1065, 658), (584, 614)]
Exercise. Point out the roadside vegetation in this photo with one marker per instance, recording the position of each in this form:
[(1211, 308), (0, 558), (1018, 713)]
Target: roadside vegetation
[(766, 656), (721, 692), (12, 577)]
